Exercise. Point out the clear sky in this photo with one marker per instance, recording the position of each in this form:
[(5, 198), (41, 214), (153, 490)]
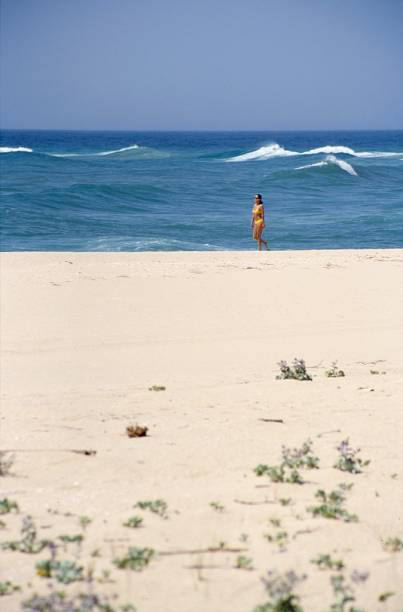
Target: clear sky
[(202, 64)]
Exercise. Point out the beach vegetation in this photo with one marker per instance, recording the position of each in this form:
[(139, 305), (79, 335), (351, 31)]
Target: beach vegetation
[(348, 460), (6, 463), (393, 545), (157, 388), (331, 506), (135, 559), (7, 588), (244, 563), (59, 601), (285, 501), (63, 571), (280, 538), (385, 596), (29, 542), (71, 538), (157, 506), (297, 371), (325, 562), (279, 473), (280, 589), (343, 592), (300, 457), (217, 506), (105, 577), (8, 505), (292, 460), (84, 521), (134, 522), (334, 371)]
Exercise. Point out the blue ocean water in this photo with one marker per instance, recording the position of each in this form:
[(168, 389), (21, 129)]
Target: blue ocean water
[(160, 191)]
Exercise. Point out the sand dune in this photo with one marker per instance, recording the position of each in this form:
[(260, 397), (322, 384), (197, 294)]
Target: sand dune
[(84, 336)]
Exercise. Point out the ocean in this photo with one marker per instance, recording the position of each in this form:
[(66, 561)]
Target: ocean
[(193, 191)]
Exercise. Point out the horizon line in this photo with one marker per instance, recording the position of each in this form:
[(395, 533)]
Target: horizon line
[(31, 129)]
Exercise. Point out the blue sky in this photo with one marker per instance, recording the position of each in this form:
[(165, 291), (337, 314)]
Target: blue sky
[(202, 64)]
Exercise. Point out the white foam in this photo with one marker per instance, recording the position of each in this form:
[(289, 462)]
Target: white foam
[(272, 150), (276, 150), (102, 153), (331, 159), (322, 163), (15, 150), (330, 149)]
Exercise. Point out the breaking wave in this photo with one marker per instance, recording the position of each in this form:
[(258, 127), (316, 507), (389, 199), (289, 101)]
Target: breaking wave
[(15, 150), (331, 159), (123, 152), (100, 154), (272, 150), (276, 150)]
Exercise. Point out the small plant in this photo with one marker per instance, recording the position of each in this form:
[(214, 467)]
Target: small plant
[(325, 562), (280, 538), (243, 537), (217, 506), (393, 545), (8, 505), (385, 596), (343, 593), (105, 577), (134, 522), (136, 559), (71, 538), (58, 601), (7, 588), (244, 563), (334, 371), (331, 506), (279, 473), (280, 589), (84, 521), (348, 460), (6, 462), (157, 506), (157, 388), (292, 460), (297, 371), (63, 571), (300, 457), (285, 501), (29, 542)]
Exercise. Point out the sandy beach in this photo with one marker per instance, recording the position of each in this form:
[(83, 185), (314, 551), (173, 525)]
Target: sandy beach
[(84, 336)]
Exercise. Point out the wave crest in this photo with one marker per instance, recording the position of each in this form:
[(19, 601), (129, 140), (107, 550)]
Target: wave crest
[(100, 154), (15, 150), (331, 159), (272, 150), (276, 150)]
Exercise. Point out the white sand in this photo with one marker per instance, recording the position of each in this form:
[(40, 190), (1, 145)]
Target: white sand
[(84, 335)]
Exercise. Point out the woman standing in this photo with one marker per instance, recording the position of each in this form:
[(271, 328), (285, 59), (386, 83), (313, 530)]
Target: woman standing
[(257, 221)]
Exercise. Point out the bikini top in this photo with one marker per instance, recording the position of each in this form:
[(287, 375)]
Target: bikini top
[(258, 211)]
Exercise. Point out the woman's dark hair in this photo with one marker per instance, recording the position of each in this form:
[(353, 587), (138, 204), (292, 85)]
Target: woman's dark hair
[(258, 195)]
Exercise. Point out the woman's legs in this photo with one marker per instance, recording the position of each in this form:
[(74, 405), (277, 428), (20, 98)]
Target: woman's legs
[(260, 241)]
